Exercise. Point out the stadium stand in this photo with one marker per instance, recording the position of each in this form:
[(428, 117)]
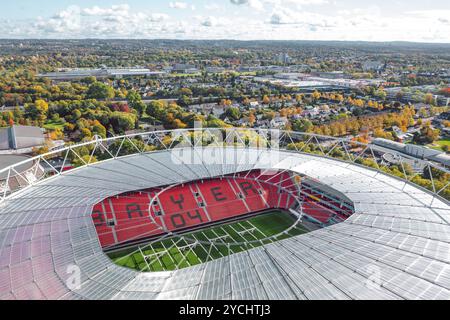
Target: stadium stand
[(144, 214), (401, 229)]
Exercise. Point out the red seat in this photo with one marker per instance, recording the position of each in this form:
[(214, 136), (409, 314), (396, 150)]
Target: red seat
[(134, 216), (317, 211)]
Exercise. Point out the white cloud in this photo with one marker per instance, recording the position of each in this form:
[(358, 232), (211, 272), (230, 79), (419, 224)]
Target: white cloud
[(239, 2), (212, 21), (261, 5), (158, 17), (288, 16), (298, 3), (67, 20), (442, 16), (115, 10), (178, 5), (209, 22), (114, 21), (276, 19), (254, 4), (307, 2)]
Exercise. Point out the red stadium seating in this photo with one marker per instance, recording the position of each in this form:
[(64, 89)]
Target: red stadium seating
[(141, 214), (221, 199), (317, 212)]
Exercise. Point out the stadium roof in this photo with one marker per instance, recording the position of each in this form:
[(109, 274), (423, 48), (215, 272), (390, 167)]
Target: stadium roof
[(399, 234), (21, 137), (7, 160)]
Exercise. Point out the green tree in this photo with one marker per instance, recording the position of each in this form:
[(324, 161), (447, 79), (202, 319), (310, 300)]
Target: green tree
[(122, 121), (233, 113), (156, 109), (135, 101), (302, 125), (126, 147), (99, 90), (99, 129), (37, 111)]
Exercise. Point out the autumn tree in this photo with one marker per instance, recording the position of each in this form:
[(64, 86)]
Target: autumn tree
[(426, 135), (99, 90), (316, 95), (37, 111)]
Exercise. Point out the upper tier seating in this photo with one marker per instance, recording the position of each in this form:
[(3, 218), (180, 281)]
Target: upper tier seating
[(141, 214)]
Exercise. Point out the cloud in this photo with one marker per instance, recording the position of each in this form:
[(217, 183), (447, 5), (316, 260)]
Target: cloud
[(262, 5), (442, 16), (211, 21), (67, 20), (115, 10), (158, 17), (178, 5), (282, 16), (239, 2), (254, 4), (114, 21), (288, 3), (276, 19), (307, 2)]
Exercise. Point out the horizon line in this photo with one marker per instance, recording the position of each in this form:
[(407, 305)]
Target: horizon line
[(224, 39)]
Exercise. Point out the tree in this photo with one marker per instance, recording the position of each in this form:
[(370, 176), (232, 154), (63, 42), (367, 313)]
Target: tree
[(380, 93), (435, 173), (426, 135), (135, 101), (213, 122), (76, 114), (233, 113), (122, 121), (86, 133), (156, 109), (41, 106), (185, 92), (99, 129), (316, 95), (127, 147), (428, 98), (37, 111), (41, 150), (302, 125), (251, 118), (56, 134), (99, 90), (77, 162)]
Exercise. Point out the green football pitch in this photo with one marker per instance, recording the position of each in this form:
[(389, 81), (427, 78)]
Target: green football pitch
[(210, 243)]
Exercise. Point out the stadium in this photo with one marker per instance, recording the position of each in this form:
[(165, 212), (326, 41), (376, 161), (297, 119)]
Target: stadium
[(208, 214)]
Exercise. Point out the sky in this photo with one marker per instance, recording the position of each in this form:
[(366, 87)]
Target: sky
[(383, 20)]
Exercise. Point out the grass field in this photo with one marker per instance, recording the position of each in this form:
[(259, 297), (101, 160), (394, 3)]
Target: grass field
[(437, 145), (208, 244), (52, 125)]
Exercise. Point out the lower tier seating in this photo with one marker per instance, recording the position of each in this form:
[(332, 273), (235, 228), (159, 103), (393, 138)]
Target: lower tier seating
[(142, 214)]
